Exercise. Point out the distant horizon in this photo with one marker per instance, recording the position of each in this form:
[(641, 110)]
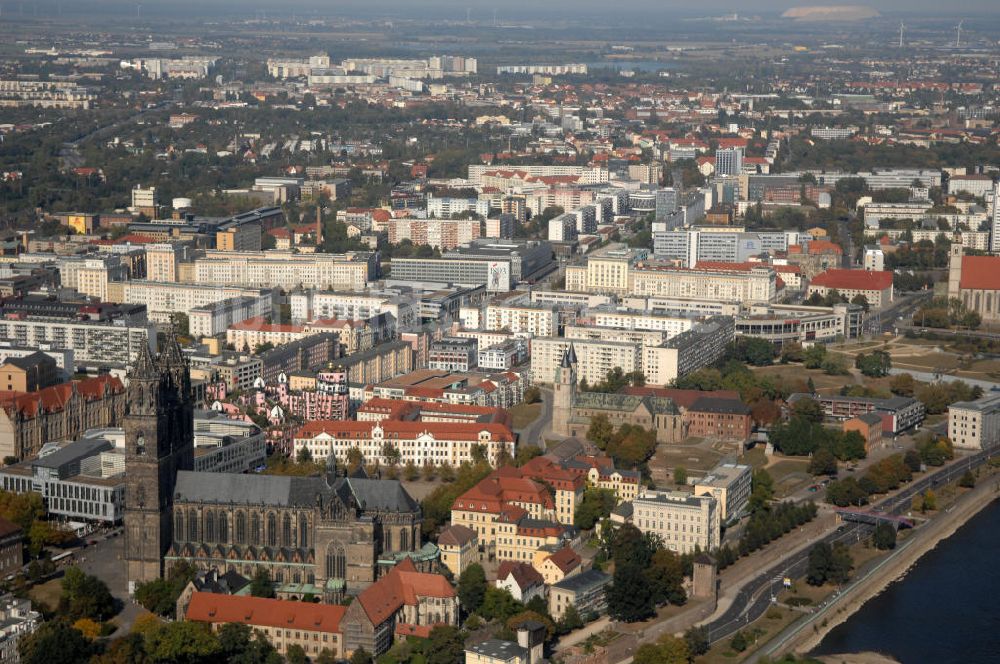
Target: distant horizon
[(479, 10)]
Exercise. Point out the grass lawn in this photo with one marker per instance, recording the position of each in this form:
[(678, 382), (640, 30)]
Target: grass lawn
[(47, 593), (789, 476), (795, 375), (524, 414)]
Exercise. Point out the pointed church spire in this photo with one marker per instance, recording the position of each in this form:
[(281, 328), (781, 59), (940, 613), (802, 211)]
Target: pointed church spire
[(144, 366), (571, 352)]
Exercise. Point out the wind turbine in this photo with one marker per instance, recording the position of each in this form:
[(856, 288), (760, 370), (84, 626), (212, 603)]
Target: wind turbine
[(958, 34), (138, 11), (901, 27)]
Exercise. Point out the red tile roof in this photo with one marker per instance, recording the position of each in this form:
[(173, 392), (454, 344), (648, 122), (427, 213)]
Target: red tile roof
[(980, 272), (525, 576), (566, 559), (854, 279), (501, 489), (217, 608), (54, 398), (403, 585), (260, 324)]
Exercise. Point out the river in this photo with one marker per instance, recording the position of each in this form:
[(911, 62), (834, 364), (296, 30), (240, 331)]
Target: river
[(944, 610)]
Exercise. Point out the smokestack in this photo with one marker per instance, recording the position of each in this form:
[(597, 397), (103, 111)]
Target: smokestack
[(319, 225)]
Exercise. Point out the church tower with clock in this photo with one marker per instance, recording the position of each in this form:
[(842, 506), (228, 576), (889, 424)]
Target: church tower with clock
[(159, 442)]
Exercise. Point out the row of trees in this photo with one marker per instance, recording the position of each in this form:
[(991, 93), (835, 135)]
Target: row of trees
[(946, 313), (765, 526), (883, 476)]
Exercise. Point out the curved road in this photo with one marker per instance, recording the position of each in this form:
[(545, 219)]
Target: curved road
[(755, 596)]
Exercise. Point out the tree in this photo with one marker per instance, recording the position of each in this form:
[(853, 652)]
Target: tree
[(130, 649), (860, 300), (570, 620), (912, 461), (823, 462), (595, 506), (697, 641), (428, 471), (808, 410), (183, 643), (600, 431), (303, 455), (847, 491), (361, 656), (884, 537), (967, 480), (472, 587), (668, 649), (902, 384), (680, 476), (499, 604), (755, 351), (739, 642), (875, 364), (85, 596), (762, 489), (354, 459), (296, 654), (813, 356), (410, 472), (55, 642), (820, 559), (260, 585), (532, 395), (665, 576), (445, 645)]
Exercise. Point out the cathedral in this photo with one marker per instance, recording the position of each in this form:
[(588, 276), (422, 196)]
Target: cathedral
[(318, 535)]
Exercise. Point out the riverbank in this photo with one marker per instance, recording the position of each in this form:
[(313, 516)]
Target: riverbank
[(925, 539)]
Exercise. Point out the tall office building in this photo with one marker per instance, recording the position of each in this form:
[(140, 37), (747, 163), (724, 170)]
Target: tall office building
[(995, 226), (729, 161)]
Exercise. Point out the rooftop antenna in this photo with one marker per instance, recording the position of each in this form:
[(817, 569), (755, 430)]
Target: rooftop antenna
[(901, 27), (958, 34)]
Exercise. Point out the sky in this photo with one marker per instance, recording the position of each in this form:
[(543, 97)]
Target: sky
[(514, 9)]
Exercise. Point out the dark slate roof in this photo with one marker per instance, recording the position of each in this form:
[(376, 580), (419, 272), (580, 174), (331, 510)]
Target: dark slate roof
[(626, 403), (382, 495), (502, 650), (717, 405), (252, 489), (587, 580)]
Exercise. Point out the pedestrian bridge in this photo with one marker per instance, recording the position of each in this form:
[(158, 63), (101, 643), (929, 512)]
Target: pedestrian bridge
[(873, 518)]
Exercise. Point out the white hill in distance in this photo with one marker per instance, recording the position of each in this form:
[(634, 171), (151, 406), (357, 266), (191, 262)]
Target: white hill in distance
[(831, 13)]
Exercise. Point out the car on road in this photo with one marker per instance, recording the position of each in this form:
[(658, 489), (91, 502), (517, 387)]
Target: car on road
[(814, 488)]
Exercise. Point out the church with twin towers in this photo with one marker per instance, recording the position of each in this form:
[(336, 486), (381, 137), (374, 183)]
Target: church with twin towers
[(327, 535)]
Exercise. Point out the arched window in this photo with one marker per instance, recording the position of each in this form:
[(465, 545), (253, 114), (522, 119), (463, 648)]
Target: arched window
[(387, 540), (223, 527), (192, 525), (336, 563), (286, 530), (303, 531), (255, 529), (404, 540), (272, 530), (241, 528), (178, 524), (210, 527)]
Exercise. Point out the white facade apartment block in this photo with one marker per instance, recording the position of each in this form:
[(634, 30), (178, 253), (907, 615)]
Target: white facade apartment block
[(91, 342), (420, 448), (755, 285), (210, 320), (286, 270), (682, 520), (164, 298), (641, 320), (314, 305), (537, 320), (595, 358), (975, 425)]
